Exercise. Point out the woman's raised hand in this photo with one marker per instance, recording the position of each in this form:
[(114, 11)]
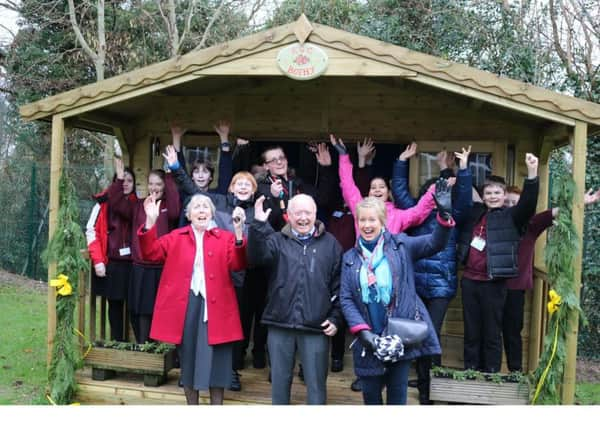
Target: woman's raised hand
[(119, 168), (463, 157), (259, 212), (409, 151), (338, 144), (170, 155), (152, 210)]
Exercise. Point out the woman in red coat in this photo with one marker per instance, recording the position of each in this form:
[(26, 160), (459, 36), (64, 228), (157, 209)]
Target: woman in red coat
[(196, 307)]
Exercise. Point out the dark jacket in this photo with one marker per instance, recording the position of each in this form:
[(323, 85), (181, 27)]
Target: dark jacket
[(435, 276), (401, 252), (304, 278), (296, 185), (504, 228)]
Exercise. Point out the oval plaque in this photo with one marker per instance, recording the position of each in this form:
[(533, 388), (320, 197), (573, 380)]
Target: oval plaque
[(302, 61)]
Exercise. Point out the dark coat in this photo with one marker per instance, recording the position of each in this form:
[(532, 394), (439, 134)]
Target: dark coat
[(435, 276), (296, 185), (401, 252), (304, 277), (504, 228)]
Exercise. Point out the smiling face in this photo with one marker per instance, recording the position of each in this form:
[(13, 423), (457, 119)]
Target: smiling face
[(128, 183), (156, 186), (369, 223), (199, 212), (243, 186), (379, 189), (201, 176), (494, 196), (302, 213), (275, 162)]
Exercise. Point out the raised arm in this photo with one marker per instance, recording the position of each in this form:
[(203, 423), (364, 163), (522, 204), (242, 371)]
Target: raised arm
[(350, 191), (152, 248), (261, 251), (400, 193), (119, 202), (464, 184), (525, 207), (225, 157)]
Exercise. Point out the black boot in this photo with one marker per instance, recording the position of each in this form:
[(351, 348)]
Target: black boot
[(236, 385), (356, 385)]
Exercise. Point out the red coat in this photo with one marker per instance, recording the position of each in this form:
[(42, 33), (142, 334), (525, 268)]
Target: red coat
[(177, 250)]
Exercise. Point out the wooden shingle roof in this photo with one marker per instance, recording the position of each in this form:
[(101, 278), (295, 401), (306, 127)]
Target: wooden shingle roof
[(426, 69)]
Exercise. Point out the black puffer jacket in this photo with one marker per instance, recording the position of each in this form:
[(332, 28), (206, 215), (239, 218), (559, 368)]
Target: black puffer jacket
[(304, 278), (504, 229)]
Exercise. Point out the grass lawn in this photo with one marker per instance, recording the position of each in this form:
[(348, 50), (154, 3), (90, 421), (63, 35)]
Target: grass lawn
[(587, 394), (22, 346)]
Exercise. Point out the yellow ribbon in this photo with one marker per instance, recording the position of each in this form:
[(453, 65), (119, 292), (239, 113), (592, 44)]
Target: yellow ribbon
[(553, 306), (89, 344), (62, 285), (555, 301), (54, 403)]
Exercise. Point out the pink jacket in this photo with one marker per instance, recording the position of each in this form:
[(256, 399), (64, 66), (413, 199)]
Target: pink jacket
[(398, 220)]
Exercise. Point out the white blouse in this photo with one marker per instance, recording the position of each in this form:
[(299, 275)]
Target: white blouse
[(198, 284)]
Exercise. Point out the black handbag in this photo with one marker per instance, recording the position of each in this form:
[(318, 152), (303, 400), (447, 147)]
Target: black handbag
[(412, 332)]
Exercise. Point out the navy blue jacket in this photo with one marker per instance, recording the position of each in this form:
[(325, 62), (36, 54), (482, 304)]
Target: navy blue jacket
[(435, 276), (401, 252)]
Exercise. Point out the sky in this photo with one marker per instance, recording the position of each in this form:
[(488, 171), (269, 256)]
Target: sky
[(7, 19)]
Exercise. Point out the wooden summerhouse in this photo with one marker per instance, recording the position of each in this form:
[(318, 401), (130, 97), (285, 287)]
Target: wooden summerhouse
[(302, 81)]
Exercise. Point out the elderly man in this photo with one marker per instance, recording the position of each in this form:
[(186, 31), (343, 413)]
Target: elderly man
[(302, 309)]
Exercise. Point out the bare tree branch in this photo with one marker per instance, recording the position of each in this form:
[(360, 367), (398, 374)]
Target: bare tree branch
[(188, 23), (209, 26)]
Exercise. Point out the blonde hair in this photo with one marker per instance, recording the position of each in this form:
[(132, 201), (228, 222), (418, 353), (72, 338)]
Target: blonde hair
[(246, 175), (372, 203)]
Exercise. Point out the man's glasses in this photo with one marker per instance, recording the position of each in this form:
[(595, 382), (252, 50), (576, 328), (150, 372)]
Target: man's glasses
[(279, 159)]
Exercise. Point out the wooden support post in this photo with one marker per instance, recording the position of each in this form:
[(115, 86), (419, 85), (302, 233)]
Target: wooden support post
[(56, 166), (536, 331), (579, 154)]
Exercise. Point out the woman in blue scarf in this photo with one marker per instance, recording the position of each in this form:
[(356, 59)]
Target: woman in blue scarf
[(378, 282)]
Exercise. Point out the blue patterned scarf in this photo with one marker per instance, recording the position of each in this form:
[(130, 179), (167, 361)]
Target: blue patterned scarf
[(375, 273)]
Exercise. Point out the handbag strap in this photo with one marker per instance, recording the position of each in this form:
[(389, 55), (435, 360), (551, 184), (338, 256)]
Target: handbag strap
[(394, 303)]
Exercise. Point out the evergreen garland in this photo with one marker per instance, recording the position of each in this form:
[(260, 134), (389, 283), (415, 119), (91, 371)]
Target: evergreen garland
[(65, 250), (562, 246)]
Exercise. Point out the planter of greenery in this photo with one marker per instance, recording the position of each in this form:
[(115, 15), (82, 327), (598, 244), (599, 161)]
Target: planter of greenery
[(449, 385), (152, 360)]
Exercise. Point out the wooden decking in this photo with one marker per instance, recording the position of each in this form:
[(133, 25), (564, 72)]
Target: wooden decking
[(129, 389)]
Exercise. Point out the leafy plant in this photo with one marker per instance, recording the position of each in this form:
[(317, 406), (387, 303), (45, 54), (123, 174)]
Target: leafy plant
[(147, 347)]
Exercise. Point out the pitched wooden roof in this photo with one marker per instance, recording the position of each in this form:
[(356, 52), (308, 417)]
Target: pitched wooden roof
[(426, 69)]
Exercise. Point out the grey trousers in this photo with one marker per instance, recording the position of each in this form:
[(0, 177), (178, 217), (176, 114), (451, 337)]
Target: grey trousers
[(313, 349)]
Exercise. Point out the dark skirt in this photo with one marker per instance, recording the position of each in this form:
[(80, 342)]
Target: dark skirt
[(115, 284), (202, 365), (143, 288)]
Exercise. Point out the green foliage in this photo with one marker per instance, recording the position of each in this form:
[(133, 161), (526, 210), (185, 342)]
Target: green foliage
[(64, 250), (470, 374), (561, 249), (589, 334), (147, 347)]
